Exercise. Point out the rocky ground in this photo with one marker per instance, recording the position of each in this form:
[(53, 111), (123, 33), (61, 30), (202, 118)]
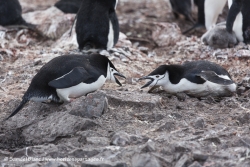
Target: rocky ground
[(122, 126)]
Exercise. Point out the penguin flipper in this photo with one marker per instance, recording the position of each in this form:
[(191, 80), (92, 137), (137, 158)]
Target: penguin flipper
[(23, 102), (74, 77), (213, 77)]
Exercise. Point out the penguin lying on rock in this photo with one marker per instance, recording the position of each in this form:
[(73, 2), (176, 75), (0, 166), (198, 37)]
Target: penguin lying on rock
[(11, 14), (197, 79), (97, 25), (67, 77)]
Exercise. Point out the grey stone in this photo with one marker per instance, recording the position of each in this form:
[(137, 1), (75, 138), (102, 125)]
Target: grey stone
[(199, 123), (181, 162), (98, 140), (149, 146), (94, 105), (168, 126), (33, 165), (120, 139), (81, 153), (140, 101), (56, 125), (103, 164), (145, 160), (56, 164), (195, 164)]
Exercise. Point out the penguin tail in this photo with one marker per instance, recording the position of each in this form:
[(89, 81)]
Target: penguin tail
[(21, 105)]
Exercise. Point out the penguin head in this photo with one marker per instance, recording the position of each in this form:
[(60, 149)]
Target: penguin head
[(112, 71), (158, 77)]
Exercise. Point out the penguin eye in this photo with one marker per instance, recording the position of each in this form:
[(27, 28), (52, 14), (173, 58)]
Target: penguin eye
[(112, 69), (157, 76)]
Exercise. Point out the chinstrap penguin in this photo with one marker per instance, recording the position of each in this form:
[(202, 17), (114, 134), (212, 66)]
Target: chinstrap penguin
[(197, 79), (11, 15), (208, 12), (68, 77), (238, 19), (182, 7), (69, 6), (97, 25)]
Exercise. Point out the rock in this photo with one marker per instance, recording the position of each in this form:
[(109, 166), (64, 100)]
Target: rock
[(36, 164), (141, 101), (120, 139), (51, 26), (98, 140), (244, 118), (242, 54), (55, 164), (181, 162), (240, 90), (168, 126), (195, 164), (152, 117), (149, 146), (104, 164), (93, 106), (56, 125), (166, 34), (198, 156), (145, 160), (81, 153), (219, 37), (199, 123), (123, 41)]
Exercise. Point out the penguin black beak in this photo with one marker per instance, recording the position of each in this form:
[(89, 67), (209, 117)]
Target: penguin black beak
[(147, 84), (120, 75)]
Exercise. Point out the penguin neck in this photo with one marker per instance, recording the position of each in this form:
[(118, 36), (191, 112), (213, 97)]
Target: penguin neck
[(168, 86)]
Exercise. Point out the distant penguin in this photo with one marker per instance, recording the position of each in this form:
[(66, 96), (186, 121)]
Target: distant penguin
[(197, 78), (69, 6), (67, 77), (208, 12), (97, 25), (11, 14), (182, 7), (238, 19)]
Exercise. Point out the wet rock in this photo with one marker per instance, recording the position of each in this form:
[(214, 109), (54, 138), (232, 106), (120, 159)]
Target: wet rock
[(199, 123), (104, 164), (51, 26), (195, 164), (94, 105), (145, 160), (166, 34), (142, 101), (149, 146), (219, 37), (120, 139), (56, 125)]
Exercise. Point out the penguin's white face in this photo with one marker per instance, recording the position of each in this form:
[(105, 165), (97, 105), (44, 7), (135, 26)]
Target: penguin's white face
[(111, 75), (156, 80)]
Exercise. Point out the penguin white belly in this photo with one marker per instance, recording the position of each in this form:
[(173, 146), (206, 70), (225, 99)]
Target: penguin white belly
[(80, 89), (237, 27), (110, 43), (212, 9), (199, 90)]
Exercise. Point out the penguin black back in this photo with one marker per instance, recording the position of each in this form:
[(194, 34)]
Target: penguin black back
[(69, 6), (93, 24), (39, 89), (182, 7), (10, 12)]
